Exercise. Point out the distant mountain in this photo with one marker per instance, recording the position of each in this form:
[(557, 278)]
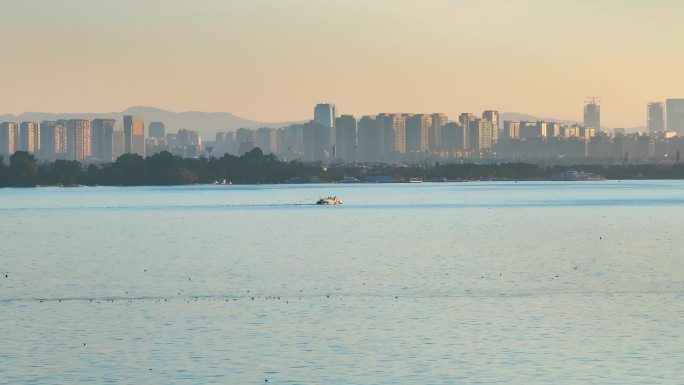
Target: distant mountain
[(209, 123), (206, 123)]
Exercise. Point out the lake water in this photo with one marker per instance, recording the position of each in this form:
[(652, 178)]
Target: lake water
[(444, 283)]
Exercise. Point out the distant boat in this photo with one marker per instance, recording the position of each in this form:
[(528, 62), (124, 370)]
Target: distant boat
[(349, 179), (574, 175), (329, 201)]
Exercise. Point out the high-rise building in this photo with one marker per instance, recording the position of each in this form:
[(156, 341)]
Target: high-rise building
[(47, 141), (134, 135), (267, 140), (53, 140), (541, 128), (553, 129), (369, 139), (117, 141), (78, 132), (156, 130), (464, 120), (345, 138), (439, 120), (325, 113), (592, 114), (480, 135), (290, 142), (587, 133), (316, 141), (243, 135), (570, 132), (61, 140), (493, 118), (452, 137), (29, 137), (9, 137), (529, 129), (511, 129), (102, 139), (392, 134), (656, 117), (674, 108), (418, 132), (188, 144)]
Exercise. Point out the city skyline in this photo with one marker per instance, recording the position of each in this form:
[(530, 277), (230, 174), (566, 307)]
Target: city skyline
[(534, 57), (382, 137)]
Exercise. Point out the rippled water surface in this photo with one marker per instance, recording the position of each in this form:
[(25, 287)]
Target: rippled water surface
[(464, 283)]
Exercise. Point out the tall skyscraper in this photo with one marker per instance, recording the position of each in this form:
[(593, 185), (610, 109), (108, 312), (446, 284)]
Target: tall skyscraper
[(78, 132), (156, 130), (316, 141), (47, 141), (392, 134), (29, 137), (511, 129), (439, 120), (134, 135), (464, 120), (61, 140), (345, 138), (541, 128), (9, 136), (592, 114), (479, 135), (53, 140), (553, 129), (117, 141), (325, 113), (369, 139), (530, 129), (418, 132), (267, 140), (188, 144), (674, 109), (102, 139), (493, 118), (656, 117), (452, 136)]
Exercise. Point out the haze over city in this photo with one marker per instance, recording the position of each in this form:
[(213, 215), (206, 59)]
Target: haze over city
[(341, 192), (273, 60)]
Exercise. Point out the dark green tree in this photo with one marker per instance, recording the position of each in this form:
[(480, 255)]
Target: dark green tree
[(23, 169), (4, 173), (65, 172), (164, 168), (132, 168)]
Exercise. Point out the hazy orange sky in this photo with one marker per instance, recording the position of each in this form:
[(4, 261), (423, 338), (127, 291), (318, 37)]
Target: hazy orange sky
[(272, 60)]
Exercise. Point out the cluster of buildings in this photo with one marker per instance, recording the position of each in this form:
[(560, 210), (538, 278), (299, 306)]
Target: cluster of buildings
[(379, 138), (660, 142), (94, 141), (385, 137), (408, 137)]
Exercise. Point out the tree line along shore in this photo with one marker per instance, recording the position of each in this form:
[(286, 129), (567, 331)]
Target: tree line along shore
[(255, 167)]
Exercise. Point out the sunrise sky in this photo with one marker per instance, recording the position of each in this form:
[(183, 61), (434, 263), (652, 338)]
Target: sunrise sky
[(272, 60)]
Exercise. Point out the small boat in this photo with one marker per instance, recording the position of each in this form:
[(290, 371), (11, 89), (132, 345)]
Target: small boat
[(329, 201), (574, 175), (349, 179)]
